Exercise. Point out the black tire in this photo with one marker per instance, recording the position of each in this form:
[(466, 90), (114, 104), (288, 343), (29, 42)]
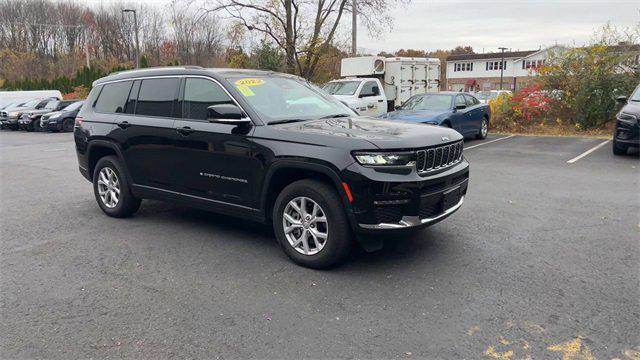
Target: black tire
[(619, 149), (35, 125), (127, 204), (67, 124), (480, 135), (338, 242)]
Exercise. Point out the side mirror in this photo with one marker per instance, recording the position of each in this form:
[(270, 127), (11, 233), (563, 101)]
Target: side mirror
[(398, 107), (460, 107), (621, 99), (226, 114)]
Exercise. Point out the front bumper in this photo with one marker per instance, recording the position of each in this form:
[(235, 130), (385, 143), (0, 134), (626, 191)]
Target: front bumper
[(384, 202), (627, 133), (50, 125), (10, 123)]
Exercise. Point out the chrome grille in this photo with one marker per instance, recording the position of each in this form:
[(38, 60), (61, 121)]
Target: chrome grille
[(439, 157)]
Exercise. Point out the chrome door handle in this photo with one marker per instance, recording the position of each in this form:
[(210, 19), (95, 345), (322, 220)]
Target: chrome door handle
[(123, 125), (184, 131)]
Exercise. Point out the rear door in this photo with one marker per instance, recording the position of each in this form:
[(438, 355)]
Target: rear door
[(214, 159), (146, 131)]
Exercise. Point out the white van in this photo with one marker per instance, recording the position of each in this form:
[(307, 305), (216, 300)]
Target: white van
[(7, 97)]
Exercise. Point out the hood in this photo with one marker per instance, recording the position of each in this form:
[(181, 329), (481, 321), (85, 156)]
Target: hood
[(632, 107), (416, 115), (382, 133)]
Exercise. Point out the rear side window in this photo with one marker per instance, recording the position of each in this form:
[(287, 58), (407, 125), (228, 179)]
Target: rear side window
[(157, 97), (112, 97), (200, 94)]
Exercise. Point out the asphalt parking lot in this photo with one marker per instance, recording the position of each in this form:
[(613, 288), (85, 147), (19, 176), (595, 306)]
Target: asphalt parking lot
[(541, 262)]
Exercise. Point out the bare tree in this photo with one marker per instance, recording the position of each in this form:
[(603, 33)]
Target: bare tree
[(303, 29)]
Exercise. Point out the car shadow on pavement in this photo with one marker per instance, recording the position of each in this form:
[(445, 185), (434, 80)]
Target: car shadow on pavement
[(399, 248)]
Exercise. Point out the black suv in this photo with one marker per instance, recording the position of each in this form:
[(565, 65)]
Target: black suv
[(268, 147), (627, 130)]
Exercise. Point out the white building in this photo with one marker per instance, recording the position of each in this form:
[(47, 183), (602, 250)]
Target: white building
[(478, 72)]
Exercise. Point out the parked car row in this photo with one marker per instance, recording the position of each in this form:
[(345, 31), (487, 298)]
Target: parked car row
[(40, 114)]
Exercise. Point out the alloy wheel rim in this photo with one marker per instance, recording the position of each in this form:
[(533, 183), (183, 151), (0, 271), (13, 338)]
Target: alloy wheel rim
[(485, 127), (108, 187), (305, 225)]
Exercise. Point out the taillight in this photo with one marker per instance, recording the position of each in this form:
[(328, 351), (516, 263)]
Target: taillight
[(79, 120)]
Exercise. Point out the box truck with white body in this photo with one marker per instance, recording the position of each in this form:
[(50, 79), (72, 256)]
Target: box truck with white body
[(398, 79)]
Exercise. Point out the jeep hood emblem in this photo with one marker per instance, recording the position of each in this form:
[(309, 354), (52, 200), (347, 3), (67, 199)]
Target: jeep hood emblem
[(444, 138)]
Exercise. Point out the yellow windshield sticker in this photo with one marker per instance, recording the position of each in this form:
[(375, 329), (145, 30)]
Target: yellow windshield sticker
[(245, 90), (249, 82)]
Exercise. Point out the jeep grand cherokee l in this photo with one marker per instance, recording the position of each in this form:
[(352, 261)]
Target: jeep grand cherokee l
[(627, 130), (268, 147)]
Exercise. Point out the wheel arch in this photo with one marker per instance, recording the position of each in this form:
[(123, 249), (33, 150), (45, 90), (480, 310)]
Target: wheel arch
[(285, 172), (100, 148)]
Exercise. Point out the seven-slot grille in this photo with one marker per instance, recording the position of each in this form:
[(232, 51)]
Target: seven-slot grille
[(438, 157)]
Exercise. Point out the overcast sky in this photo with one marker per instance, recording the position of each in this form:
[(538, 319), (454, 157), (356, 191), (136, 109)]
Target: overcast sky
[(487, 24), (516, 24)]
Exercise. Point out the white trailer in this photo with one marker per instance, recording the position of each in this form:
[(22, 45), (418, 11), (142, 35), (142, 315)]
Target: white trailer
[(402, 77)]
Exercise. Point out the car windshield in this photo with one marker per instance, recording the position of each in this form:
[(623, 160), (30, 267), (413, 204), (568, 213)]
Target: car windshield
[(74, 106), (31, 103), (286, 98), (51, 105), (341, 87), (428, 102), (636, 95)]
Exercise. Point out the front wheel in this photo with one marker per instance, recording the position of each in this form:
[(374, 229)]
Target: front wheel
[(36, 125), (311, 225), (618, 149), (112, 190), (67, 125), (484, 129)]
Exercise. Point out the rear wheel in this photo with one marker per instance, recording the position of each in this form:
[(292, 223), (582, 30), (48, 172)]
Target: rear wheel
[(311, 225), (484, 129), (67, 125), (619, 149), (112, 190)]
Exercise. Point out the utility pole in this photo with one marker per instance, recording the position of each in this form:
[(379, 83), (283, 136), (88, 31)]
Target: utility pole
[(502, 66), (135, 24), (354, 28)]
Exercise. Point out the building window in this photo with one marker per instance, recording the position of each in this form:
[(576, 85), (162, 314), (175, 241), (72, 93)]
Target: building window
[(496, 65), (463, 67)]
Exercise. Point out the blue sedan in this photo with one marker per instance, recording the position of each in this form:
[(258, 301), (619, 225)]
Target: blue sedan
[(462, 112)]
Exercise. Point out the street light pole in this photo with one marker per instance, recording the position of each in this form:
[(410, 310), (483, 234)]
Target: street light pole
[(354, 28), (502, 65), (135, 24)]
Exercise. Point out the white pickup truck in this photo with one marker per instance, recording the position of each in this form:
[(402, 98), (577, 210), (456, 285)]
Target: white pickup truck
[(373, 85)]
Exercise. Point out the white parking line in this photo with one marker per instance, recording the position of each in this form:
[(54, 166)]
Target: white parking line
[(488, 142), (588, 152)]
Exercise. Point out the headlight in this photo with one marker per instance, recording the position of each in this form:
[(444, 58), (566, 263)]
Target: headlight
[(54, 116), (430, 122), (14, 114), (384, 159), (626, 117)]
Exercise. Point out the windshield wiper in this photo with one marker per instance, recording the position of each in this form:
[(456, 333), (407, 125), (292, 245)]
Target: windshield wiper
[(286, 121), (335, 116)]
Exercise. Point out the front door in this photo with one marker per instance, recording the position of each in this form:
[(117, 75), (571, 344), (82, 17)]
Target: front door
[(213, 160), (460, 117), (371, 102)]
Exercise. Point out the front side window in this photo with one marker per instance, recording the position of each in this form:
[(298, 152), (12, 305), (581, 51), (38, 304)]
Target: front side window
[(635, 97), (470, 100), (199, 94), (460, 100), (370, 88), (278, 98), (157, 97), (51, 105), (112, 97)]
